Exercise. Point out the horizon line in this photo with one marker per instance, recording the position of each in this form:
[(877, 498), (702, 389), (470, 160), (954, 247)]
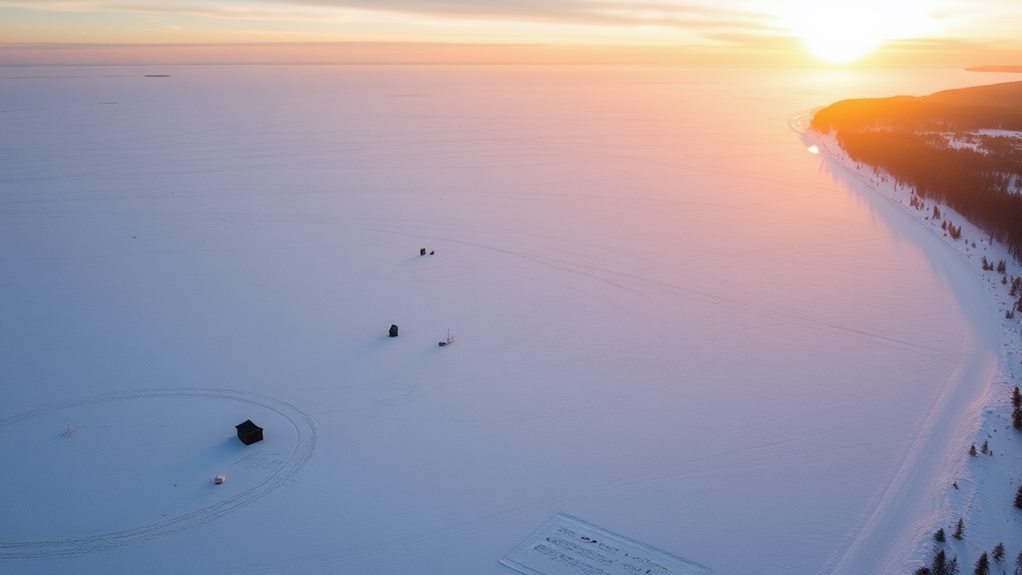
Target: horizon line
[(775, 53)]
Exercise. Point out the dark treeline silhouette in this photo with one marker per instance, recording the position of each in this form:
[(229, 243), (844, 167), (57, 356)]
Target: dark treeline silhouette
[(929, 143)]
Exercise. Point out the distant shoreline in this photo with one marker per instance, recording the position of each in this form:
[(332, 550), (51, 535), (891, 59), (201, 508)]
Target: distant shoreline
[(1011, 69), (946, 146)]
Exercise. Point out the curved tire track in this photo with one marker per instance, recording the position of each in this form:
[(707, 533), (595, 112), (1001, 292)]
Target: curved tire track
[(304, 448)]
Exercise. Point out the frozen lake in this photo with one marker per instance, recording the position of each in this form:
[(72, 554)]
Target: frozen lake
[(670, 320)]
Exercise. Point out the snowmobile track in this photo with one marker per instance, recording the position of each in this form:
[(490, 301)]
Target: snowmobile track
[(303, 450)]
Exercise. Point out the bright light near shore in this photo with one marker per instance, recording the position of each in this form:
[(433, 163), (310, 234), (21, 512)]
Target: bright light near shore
[(839, 31)]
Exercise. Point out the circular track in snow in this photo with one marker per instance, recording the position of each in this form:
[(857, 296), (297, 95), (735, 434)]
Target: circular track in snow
[(63, 466)]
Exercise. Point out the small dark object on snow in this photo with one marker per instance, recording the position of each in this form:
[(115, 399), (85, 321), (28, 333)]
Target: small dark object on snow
[(249, 432), (955, 485), (432, 252), (422, 251), (393, 331), (448, 341)]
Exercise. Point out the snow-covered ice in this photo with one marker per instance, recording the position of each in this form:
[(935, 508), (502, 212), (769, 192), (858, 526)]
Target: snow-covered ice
[(671, 321)]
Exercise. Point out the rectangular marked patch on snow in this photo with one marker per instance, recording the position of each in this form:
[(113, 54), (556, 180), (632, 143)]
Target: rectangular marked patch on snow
[(566, 545)]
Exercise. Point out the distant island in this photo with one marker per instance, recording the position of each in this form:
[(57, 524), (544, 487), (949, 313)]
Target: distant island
[(1001, 68), (157, 75), (961, 147)]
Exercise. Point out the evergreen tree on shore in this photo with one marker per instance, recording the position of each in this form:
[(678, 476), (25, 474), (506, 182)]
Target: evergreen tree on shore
[(998, 552), (954, 232), (982, 565), (939, 565)]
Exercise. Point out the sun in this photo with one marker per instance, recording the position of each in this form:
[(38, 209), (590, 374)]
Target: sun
[(839, 44), (843, 31)]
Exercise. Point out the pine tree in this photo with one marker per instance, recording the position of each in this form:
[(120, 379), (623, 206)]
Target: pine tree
[(959, 529), (972, 450), (939, 566), (982, 565), (986, 447), (1018, 564), (1016, 418), (1016, 398), (939, 535), (952, 566), (1002, 267), (1018, 497), (998, 552)]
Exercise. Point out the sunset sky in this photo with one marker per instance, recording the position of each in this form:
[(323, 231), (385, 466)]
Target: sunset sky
[(919, 32)]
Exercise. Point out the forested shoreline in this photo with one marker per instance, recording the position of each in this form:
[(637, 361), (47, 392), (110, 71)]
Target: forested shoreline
[(955, 147)]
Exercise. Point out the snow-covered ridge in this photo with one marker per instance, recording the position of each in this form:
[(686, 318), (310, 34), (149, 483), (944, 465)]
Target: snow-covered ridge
[(999, 133), (980, 141), (976, 140)]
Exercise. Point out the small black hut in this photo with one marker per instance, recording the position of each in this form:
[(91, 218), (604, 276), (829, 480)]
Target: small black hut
[(249, 432)]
